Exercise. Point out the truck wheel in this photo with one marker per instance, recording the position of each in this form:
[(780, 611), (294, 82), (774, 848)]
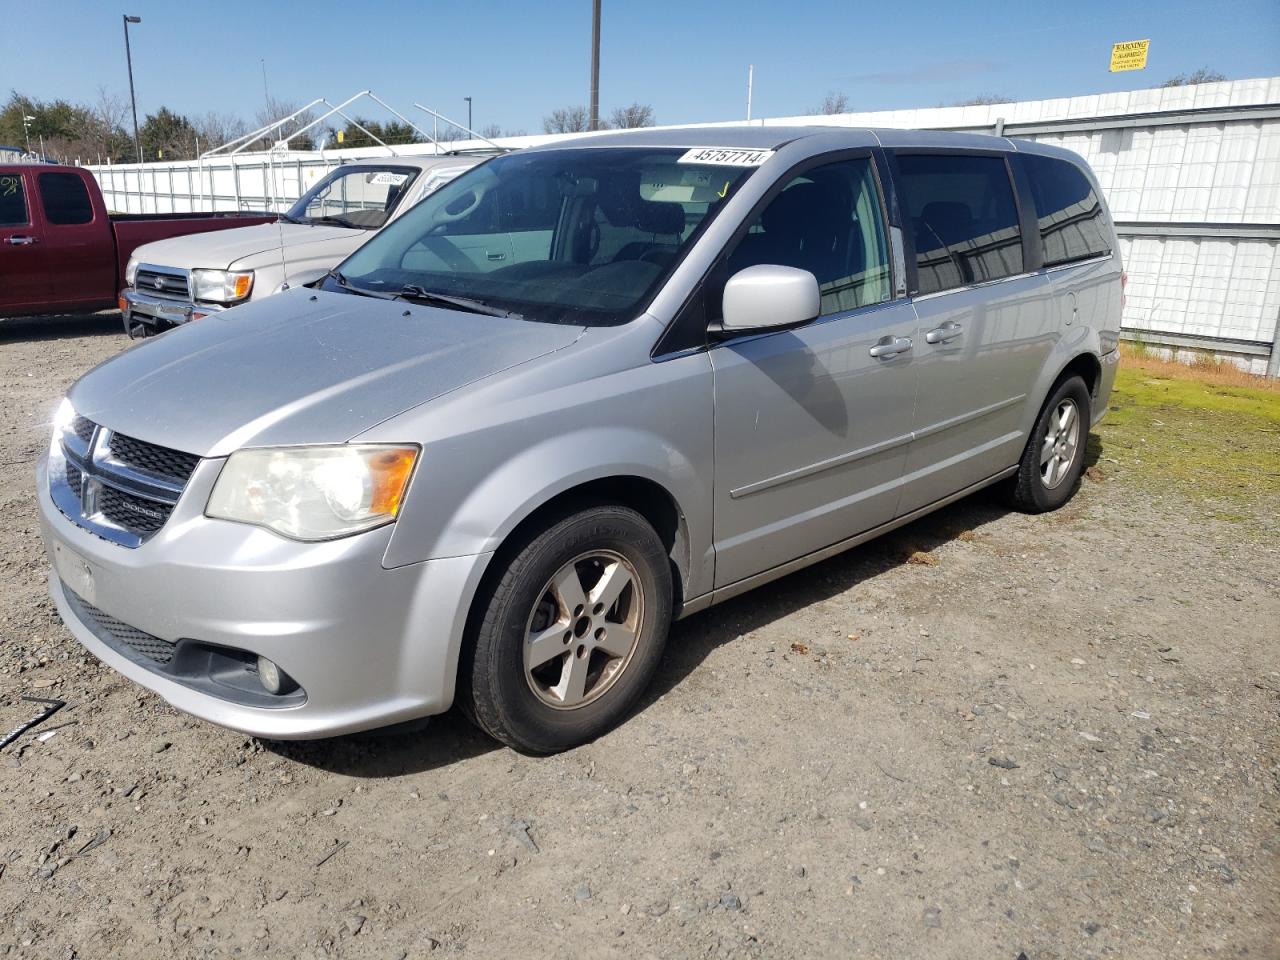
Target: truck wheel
[(571, 631), (1049, 471)]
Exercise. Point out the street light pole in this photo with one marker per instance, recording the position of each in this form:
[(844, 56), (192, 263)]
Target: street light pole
[(128, 56), (469, 127), (26, 127)]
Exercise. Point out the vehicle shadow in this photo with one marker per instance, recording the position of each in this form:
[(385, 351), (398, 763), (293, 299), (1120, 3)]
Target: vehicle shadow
[(394, 752), (451, 738), (61, 326)]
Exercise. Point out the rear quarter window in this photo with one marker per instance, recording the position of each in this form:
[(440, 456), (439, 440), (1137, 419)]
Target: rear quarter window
[(961, 211), (65, 198), (13, 201), (1072, 222)]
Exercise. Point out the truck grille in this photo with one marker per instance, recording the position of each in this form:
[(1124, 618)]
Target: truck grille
[(121, 488), (117, 635), (163, 283)]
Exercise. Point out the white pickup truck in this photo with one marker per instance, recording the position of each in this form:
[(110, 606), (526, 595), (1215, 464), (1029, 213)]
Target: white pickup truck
[(173, 281)]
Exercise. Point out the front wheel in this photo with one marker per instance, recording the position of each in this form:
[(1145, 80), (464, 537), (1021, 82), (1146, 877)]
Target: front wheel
[(572, 631), (1053, 460)]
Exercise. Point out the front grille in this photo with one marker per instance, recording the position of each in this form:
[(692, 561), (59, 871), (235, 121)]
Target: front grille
[(118, 635), (122, 488), (134, 513), (171, 464), (83, 428), (162, 284)]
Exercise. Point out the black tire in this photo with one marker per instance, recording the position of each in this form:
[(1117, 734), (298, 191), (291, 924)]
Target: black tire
[(498, 695), (1028, 490)]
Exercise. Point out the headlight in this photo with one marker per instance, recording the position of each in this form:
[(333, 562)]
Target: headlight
[(313, 493), (131, 271), (221, 286), (62, 418)]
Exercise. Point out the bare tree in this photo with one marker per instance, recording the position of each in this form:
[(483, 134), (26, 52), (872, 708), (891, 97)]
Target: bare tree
[(274, 110), (833, 103), (983, 100), (102, 126), (636, 115), (214, 129), (566, 120), (1203, 75)]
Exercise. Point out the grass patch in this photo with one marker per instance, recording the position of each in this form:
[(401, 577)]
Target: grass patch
[(1207, 432)]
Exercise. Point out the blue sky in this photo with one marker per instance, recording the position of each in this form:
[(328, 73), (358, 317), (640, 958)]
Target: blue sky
[(519, 60)]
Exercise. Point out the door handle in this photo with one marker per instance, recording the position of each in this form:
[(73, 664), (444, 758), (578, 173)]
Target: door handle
[(496, 256), (890, 347), (20, 241), (945, 333)]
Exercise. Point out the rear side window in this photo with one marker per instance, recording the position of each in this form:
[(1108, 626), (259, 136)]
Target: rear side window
[(962, 214), (13, 201), (1072, 225), (65, 199)]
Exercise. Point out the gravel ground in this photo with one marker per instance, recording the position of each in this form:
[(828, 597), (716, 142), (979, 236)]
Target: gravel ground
[(987, 735)]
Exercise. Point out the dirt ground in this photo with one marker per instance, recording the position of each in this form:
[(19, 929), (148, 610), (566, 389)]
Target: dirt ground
[(985, 736)]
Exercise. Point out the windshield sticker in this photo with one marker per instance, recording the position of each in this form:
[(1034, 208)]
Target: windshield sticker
[(392, 179), (719, 156)]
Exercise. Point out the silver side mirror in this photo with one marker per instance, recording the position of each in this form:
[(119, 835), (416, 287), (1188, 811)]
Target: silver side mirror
[(770, 297)]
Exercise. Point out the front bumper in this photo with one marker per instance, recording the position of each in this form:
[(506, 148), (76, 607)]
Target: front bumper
[(369, 646), (139, 307)]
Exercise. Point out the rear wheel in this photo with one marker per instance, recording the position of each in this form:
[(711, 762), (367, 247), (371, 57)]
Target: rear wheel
[(572, 631), (1053, 460)]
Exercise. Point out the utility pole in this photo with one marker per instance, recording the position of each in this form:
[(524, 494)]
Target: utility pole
[(469, 126), (26, 126), (751, 71), (593, 119), (266, 94), (128, 56)]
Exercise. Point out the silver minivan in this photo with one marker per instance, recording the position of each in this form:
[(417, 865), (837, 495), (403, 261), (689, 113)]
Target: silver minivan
[(574, 394)]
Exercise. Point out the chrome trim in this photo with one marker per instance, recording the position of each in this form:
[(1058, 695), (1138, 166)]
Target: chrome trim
[(184, 275), (920, 297), (162, 308), (1059, 267), (99, 468)]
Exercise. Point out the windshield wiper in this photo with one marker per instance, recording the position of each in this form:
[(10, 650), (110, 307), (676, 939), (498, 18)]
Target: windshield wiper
[(336, 276), (411, 291), (336, 221)]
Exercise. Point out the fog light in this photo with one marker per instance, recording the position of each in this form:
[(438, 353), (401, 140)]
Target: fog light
[(272, 677)]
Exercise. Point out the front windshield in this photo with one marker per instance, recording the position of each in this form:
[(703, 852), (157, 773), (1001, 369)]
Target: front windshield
[(579, 235), (362, 197)]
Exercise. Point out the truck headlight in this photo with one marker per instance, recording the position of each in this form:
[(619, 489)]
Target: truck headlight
[(314, 493), (131, 271), (221, 286)]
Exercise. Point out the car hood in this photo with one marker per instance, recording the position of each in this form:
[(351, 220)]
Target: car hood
[(301, 367), (222, 248)]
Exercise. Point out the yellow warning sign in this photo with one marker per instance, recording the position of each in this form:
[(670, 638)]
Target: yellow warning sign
[(341, 133), (1129, 55)]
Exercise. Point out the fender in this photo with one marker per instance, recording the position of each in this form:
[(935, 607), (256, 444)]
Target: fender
[(1076, 342)]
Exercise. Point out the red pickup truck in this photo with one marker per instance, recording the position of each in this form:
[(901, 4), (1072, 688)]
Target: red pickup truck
[(60, 251)]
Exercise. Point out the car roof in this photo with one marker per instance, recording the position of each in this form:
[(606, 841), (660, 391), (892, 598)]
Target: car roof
[(757, 137), (423, 162)]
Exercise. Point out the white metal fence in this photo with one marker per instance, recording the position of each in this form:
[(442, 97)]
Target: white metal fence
[(1192, 176)]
